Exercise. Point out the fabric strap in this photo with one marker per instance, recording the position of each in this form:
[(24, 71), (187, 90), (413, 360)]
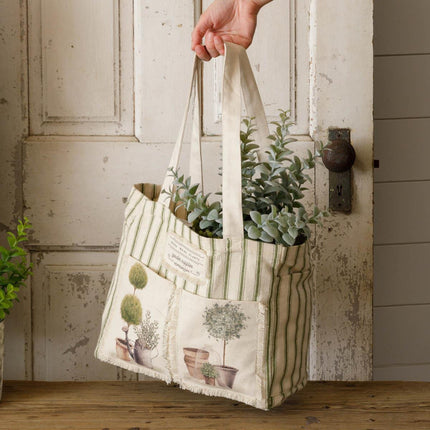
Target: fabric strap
[(238, 76)]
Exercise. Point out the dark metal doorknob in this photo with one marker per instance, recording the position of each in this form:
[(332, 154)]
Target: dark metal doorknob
[(338, 155)]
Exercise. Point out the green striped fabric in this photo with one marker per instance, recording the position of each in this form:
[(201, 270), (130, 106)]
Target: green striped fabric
[(276, 276)]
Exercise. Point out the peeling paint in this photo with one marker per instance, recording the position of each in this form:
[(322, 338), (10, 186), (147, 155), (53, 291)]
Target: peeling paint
[(323, 75), (84, 341), (80, 281)]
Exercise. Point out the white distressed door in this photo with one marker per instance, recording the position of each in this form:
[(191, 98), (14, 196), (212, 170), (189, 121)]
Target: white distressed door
[(99, 89)]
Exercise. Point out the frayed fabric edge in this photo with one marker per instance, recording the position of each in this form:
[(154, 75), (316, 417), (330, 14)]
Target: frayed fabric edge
[(222, 392), (133, 367)]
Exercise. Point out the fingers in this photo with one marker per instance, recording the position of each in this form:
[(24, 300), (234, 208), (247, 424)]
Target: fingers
[(213, 47), (202, 53), (199, 31), (210, 45), (219, 44)]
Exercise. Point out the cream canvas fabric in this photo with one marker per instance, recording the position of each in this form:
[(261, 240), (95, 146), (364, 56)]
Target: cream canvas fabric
[(224, 317)]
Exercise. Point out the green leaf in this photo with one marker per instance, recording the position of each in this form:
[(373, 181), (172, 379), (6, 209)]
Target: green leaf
[(271, 231), (288, 239), (256, 217), (11, 238), (253, 232), (212, 215), (266, 237)]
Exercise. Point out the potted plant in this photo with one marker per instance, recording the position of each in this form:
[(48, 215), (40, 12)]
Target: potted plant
[(224, 323), (272, 191), (14, 271), (131, 313), (209, 373), (194, 359), (147, 341), (131, 309)]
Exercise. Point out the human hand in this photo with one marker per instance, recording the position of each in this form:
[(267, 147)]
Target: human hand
[(225, 21)]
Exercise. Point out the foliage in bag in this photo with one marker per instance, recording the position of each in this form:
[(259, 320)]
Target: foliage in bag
[(14, 269), (271, 191)]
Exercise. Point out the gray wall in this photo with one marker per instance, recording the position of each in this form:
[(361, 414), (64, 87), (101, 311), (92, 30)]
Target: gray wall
[(402, 190)]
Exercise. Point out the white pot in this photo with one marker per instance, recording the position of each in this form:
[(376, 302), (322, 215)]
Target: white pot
[(1, 355)]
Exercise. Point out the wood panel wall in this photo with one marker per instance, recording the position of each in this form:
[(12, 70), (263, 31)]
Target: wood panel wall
[(402, 190)]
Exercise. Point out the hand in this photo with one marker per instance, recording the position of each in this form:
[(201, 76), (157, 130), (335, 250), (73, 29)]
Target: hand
[(225, 21)]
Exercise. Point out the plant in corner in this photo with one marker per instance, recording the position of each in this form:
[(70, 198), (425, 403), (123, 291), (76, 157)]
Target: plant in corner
[(224, 323), (272, 191), (209, 373), (14, 271)]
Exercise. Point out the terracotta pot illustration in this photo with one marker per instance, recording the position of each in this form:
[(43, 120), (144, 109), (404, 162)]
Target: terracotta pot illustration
[(194, 359), (122, 350), (143, 355), (209, 381), (225, 376)]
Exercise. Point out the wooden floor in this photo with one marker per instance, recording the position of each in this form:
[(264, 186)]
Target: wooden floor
[(153, 405)]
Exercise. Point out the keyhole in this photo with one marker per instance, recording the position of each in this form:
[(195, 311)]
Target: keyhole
[(339, 190)]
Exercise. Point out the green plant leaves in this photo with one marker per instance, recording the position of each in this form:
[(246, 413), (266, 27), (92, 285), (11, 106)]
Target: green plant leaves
[(272, 191), (14, 269)]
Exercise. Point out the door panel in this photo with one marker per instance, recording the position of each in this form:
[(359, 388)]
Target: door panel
[(163, 63), (69, 289), (80, 67)]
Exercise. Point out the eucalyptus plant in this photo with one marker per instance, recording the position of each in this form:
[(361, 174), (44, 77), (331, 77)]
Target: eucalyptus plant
[(14, 269), (272, 191)]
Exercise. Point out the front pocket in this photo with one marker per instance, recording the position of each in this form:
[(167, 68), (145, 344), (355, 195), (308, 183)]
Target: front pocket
[(135, 336), (218, 347)]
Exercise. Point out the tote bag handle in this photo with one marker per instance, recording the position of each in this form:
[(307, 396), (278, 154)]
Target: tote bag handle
[(237, 75)]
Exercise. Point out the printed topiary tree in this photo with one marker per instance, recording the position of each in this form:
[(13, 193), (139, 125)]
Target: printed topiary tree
[(224, 323), (138, 277), (131, 309)]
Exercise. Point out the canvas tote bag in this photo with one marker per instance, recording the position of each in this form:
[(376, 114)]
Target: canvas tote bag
[(223, 317)]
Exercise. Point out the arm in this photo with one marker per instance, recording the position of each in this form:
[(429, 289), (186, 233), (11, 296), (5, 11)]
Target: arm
[(225, 21)]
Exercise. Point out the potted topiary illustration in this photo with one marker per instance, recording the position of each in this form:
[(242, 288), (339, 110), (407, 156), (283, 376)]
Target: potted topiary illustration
[(147, 341), (14, 271), (224, 323), (209, 373), (131, 313)]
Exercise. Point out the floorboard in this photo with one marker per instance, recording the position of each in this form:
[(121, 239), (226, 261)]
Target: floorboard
[(151, 405)]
